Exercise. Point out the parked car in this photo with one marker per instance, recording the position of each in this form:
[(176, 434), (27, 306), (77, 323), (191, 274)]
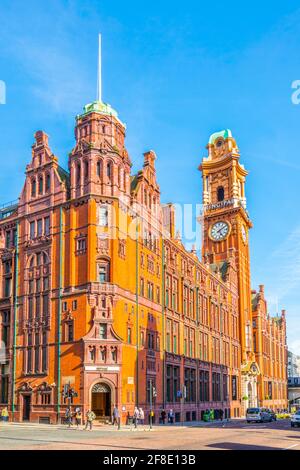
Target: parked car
[(295, 419), (258, 415)]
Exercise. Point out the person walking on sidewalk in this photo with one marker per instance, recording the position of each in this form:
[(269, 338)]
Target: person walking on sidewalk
[(77, 417), (116, 417), (163, 416), (69, 417), (90, 416), (135, 416), (171, 416), (4, 415), (141, 416)]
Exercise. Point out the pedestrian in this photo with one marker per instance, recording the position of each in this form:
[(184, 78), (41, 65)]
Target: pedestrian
[(171, 416), (211, 414), (68, 417), (77, 417), (90, 416), (163, 416), (116, 416), (221, 415), (4, 414), (135, 416), (141, 416)]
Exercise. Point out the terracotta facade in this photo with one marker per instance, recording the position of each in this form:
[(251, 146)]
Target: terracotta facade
[(98, 293)]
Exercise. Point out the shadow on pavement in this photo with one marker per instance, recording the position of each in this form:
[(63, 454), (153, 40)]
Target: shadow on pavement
[(238, 446)]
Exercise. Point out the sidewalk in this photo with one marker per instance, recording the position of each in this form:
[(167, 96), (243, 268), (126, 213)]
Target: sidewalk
[(125, 427)]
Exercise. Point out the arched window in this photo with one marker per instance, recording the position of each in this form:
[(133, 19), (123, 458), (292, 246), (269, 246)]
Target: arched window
[(41, 184), (33, 188), (99, 168), (220, 194), (103, 129)]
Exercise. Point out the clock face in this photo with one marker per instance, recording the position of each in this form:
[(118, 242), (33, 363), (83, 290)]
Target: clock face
[(219, 231), (244, 233)]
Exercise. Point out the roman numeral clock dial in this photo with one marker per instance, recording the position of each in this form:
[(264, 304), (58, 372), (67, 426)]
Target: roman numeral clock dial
[(219, 231)]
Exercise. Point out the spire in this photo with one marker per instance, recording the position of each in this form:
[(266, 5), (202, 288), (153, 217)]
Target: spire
[(99, 81), (98, 106)]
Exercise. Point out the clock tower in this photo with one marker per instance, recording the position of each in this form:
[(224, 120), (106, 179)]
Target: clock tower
[(226, 225)]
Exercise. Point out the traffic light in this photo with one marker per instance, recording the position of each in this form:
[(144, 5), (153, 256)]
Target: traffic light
[(154, 392)]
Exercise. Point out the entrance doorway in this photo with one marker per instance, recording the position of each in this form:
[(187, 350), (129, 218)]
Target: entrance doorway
[(101, 400), (26, 407)]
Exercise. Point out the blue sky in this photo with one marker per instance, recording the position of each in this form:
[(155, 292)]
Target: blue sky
[(176, 72)]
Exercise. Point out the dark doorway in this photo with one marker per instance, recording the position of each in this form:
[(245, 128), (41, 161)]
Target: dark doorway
[(101, 400), (26, 407)]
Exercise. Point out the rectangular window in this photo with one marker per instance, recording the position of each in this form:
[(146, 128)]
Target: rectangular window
[(129, 338), (44, 352), (47, 225), (234, 387), (74, 305), (142, 287), (7, 239), (70, 331), (103, 216), (103, 331), (39, 227), (7, 287), (45, 304)]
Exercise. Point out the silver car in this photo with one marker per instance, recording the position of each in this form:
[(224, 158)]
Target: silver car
[(295, 419), (258, 415)]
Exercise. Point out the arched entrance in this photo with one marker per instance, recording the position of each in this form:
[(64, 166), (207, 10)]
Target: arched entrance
[(101, 400)]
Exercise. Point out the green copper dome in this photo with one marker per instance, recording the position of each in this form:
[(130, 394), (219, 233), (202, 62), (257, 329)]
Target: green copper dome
[(225, 134), (101, 108)]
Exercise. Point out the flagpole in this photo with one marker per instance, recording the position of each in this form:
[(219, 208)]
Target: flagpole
[(99, 82)]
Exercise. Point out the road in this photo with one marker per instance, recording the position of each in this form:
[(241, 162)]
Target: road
[(236, 435)]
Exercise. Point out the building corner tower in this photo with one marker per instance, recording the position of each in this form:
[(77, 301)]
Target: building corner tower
[(226, 225)]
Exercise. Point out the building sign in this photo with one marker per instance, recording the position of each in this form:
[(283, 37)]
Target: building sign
[(102, 368)]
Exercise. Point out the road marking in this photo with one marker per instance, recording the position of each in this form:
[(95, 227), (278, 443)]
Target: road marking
[(290, 447)]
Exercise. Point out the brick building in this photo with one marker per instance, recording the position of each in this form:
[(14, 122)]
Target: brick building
[(99, 295)]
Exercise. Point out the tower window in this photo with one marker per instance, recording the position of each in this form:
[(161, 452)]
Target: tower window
[(78, 174), (48, 180), (220, 193), (108, 170), (219, 143), (99, 169), (41, 185), (33, 188), (86, 169)]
